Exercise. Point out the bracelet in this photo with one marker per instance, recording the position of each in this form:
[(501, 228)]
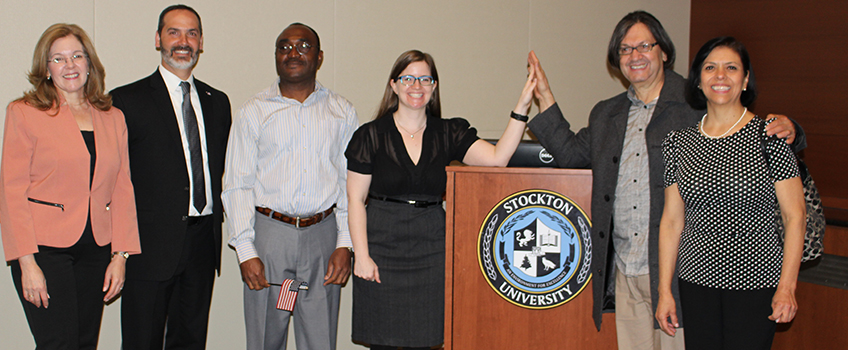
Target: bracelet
[(518, 117), (123, 254)]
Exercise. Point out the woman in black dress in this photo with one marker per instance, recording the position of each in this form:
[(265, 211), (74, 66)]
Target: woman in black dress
[(397, 162), (736, 278)]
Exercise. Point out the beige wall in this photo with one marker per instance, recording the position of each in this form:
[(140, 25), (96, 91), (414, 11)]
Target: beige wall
[(480, 48)]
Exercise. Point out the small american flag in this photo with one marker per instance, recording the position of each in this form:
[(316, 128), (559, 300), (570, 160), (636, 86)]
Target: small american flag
[(288, 294)]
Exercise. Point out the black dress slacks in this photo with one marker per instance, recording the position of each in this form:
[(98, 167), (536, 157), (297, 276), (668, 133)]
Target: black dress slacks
[(173, 313), (74, 278), (725, 319)]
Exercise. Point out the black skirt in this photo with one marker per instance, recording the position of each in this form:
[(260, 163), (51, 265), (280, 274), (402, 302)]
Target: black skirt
[(407, 308)]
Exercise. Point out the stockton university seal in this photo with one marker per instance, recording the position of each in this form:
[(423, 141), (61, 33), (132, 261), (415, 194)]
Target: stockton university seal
[(535, 249)]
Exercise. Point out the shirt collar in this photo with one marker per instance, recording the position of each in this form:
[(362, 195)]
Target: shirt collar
[(172, 81), (317, 92), (631, 95)]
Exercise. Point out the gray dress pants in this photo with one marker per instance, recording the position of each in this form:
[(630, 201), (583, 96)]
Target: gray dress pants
[(301, 254)]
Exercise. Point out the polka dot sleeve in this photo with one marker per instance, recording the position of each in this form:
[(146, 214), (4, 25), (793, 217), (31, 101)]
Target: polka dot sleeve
[(671, 151), (782, 163)]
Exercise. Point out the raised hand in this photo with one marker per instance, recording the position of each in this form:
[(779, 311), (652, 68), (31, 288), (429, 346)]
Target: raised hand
[(542, 91), (526, 98)]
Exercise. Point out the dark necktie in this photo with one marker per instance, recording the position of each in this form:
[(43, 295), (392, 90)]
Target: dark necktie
[(193, 137)]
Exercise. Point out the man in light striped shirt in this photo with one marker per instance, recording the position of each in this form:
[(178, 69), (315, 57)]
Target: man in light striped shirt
[(285, 198)]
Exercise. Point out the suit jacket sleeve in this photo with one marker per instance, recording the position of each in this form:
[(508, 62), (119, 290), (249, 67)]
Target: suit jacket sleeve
[(800, 142), (125, 223), (17, 225), (570, 150)]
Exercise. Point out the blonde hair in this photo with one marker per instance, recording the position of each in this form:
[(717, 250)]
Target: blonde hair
[(43, 94)]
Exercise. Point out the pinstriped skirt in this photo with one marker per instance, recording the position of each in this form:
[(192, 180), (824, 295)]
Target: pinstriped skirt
[(407, 308)]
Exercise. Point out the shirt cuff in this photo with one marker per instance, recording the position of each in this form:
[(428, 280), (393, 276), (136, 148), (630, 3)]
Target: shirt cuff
[(245, 251), (343, 240)]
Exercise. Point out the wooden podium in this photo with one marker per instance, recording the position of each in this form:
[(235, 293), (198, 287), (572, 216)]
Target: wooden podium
[(476, 317)]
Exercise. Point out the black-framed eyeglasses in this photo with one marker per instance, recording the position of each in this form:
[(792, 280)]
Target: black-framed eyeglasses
[(409, 80), (644, 48), (302, 48)]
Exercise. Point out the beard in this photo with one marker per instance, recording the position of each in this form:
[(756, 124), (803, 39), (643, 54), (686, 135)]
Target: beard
[(168, 57)]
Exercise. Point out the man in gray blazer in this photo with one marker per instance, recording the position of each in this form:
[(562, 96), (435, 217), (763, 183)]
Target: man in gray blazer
[(623, 146)]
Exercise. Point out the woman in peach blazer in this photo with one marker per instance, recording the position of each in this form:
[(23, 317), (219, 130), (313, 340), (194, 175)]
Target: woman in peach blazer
[(67, 209)]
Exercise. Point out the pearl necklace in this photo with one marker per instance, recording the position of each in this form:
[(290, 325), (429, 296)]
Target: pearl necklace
[(411, 134), (728, 130)]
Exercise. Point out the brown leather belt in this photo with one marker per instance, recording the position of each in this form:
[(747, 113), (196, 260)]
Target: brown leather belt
[(296, 221)]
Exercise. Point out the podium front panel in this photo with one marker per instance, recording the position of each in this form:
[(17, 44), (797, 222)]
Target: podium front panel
[(476, 317)]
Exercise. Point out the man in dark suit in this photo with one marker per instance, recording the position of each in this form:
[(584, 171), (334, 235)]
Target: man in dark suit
[(177, 130)]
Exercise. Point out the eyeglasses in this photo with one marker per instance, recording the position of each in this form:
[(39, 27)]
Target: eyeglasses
[(644, 48), (62, 60), (302, 48), (409, 80)]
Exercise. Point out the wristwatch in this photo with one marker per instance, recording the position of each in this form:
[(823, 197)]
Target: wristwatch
[(123, 254), (518, 117)]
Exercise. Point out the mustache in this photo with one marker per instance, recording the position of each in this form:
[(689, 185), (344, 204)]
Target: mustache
[(182, 48), (299, 60)]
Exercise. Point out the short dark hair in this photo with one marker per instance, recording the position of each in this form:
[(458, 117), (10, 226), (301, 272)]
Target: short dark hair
[(389, 103), (178, 7), (653, 25), (317, 39), (695, 96)]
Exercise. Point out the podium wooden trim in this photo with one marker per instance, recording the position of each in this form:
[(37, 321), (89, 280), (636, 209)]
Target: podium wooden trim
[(476, 317)]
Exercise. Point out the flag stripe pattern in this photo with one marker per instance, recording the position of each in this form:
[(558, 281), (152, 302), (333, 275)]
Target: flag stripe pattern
[(288, 295)]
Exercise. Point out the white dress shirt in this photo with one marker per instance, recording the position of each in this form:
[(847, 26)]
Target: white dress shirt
[(172, 83)]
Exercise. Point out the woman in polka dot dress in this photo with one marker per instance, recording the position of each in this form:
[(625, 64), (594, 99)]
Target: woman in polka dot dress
[(737, 279)]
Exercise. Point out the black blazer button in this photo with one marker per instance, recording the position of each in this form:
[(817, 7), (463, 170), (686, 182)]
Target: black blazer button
[(601, 234), (615, 159), (606, 198)]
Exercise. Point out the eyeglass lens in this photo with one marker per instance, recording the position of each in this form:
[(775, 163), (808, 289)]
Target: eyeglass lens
[(59, 59), (644, 48), (302, 48), (409, 80)]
